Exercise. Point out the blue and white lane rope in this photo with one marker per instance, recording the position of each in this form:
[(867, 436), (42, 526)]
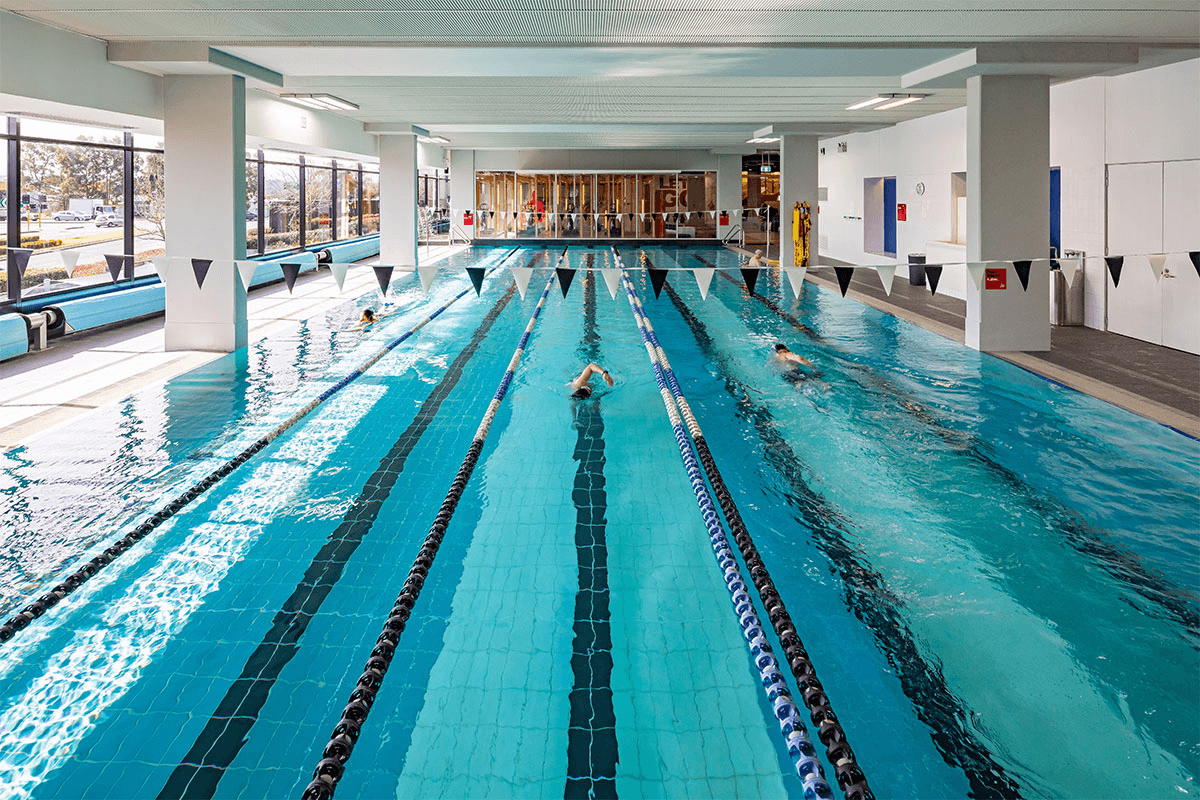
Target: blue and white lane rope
[(331, 767), (81, 576), (787, 714)]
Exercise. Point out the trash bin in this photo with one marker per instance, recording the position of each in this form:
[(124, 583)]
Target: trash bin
[(1058, 295), (1066, 292), (916, 269)]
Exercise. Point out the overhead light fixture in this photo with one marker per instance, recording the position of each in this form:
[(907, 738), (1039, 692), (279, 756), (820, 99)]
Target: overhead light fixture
[(433, 139), (322, 102), (899, 100), (882, 102), (763, 140), (879, 98)]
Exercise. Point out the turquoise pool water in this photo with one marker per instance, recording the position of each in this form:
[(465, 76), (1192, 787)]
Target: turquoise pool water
[(995, 576)]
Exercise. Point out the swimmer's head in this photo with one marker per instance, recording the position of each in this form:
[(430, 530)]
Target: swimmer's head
[(368, 315), (780, 347), (582, 393), (758, 252)]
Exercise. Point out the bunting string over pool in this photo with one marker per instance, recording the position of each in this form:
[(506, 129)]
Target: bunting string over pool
[(331, 767), (799, 747)]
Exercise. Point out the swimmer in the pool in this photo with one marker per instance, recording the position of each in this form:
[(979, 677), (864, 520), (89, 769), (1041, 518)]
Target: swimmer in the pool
[(794, 365), (368, 318), (580, 388), (756, 260)]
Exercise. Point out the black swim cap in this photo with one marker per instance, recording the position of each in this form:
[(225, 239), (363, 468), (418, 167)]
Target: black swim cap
[(780, 346), (582, 392)]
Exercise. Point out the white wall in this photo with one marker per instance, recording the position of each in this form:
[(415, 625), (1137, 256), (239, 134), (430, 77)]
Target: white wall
[(275, 123)]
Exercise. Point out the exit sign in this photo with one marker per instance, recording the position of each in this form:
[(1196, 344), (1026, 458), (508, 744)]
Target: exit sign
[(767, 168)]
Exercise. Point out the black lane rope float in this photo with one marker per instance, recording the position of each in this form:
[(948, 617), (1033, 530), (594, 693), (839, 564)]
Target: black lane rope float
[(331, 767), (867, 593), (228, 728), (1118, 562), (849, 774), (796, 741), (82, 575), (591, 730)]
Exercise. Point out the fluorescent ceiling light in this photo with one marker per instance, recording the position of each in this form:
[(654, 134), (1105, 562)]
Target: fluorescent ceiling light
[(324, 102), (762, 140), (433, 139), (899, 100), (879, 98)]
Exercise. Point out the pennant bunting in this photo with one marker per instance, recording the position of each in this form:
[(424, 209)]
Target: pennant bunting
[(1022, 268), (976, 270), (704, 276), (750, 278), (339, 274), (521, 278), (887, 274), (933, 274), (246, 270), (1156, 264), (200, 270), (426, 274), (612, 279), (1114, 267), (290, 273), (383, 275), (114, 266), (844, 274), (1195, 257), (565, 276), (476, 275), (21, 256), (658, 277), (70, 258), (796, 278)]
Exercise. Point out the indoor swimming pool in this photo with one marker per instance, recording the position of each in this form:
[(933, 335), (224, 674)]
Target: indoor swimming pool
[(995, 576)]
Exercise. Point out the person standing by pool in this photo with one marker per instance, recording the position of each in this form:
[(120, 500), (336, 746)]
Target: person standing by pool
[(580, 388)]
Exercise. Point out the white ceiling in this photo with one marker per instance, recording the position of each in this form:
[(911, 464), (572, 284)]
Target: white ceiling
[(617, 73)]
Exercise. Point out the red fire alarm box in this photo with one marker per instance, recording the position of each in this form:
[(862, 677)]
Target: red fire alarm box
[(468, 218), (995, 278), (902, 212), (724, 217)]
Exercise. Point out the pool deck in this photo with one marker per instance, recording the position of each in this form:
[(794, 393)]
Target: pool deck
[(78, 373), (1156, 382)]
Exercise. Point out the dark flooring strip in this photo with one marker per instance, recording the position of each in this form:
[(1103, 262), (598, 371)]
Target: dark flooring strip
[(866, 591), (222, 738), (592, 732), (1120, 563)]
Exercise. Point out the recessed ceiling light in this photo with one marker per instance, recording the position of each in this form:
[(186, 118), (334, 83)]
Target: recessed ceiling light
[(899, 100), (324, 102), (879, 98)]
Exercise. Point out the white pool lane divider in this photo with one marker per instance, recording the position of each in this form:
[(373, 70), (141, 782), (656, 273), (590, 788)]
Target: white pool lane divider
[(331, 767), (800, 749), (82, 575)]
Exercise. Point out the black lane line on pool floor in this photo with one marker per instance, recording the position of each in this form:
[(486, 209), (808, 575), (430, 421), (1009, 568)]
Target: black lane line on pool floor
[(1121, 564), (229, 726), (867, 593), (592, 731)]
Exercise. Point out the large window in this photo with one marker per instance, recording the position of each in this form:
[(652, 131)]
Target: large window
[(281, 191), (318, 203), (370, 202)]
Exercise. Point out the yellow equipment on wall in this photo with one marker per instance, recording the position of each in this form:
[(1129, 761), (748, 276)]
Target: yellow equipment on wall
[(801, 225)]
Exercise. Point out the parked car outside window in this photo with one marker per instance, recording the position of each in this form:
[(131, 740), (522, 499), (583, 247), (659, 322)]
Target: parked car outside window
[(68, 216), (109, 221)]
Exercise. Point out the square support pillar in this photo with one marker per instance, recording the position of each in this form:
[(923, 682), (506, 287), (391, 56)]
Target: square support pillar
[(204, 126), (398, 200), (797, 184), (462, 189), (729, 192), (1008, 209)]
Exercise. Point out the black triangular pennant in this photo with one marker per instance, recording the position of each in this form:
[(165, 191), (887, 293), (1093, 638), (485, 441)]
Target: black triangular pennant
[(1114, 267), (1195, 257), (658, 277), (476, 274), (200, 268), (933, 273), (21, 256), (114, 266), (290, 273), (384, 276), (750, 278), (1022, 268), (565, 276), (844, 274)]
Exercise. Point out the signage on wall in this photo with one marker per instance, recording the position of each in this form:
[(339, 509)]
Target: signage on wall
[(766, 168), (724, 218), (902, 212), (468, 218), (995, 278)]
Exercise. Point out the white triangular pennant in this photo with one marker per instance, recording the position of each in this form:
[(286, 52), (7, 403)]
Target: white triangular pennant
[(796, 278), (1156, 263), (975, 270), (246, 270), (642, 215), (612, 279), (521, 278), (426, 274), (339, 274), (162, 265), (70, 258), (712, 213), (887, 273), (704, 276)]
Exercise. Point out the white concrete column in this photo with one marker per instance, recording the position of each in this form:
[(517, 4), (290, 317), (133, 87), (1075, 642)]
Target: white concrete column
[(797, 184), (398, 200), (204, 125), (729, 191), (1008, 209), (462, 189)]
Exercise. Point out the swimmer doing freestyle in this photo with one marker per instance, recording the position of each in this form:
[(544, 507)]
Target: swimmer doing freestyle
[(580, 388)]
